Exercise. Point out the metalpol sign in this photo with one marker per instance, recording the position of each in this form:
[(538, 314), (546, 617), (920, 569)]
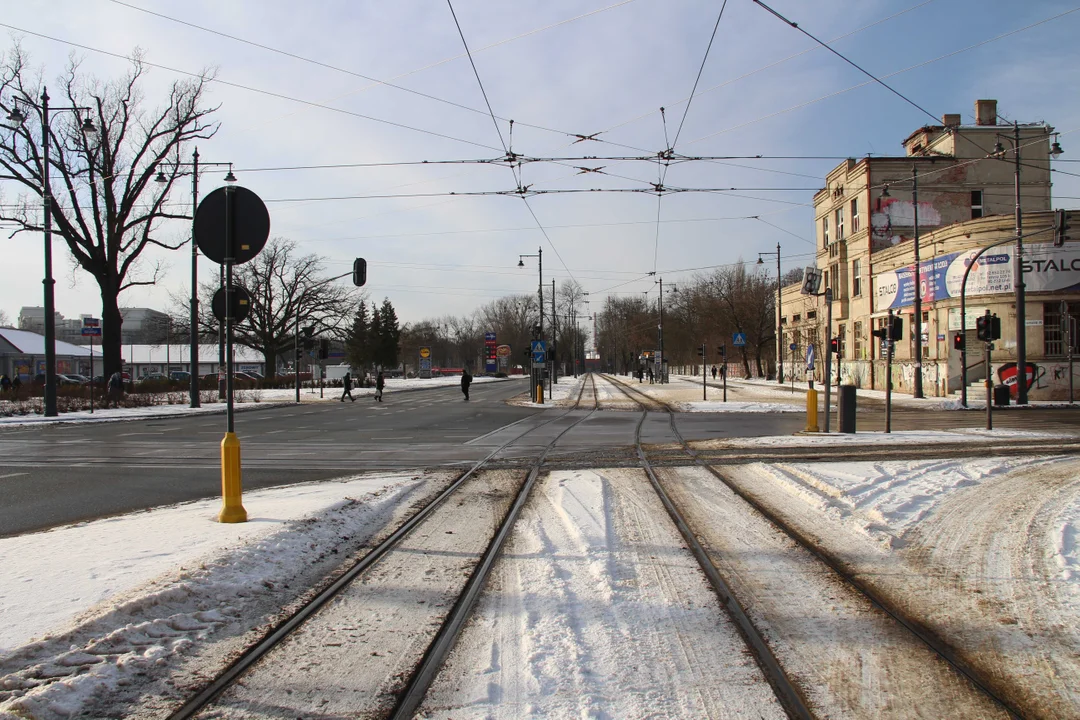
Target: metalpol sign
[(1046, 268)]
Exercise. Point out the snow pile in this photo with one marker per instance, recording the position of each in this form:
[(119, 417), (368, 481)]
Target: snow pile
[(719, 406), (156, 584), (885, 499)]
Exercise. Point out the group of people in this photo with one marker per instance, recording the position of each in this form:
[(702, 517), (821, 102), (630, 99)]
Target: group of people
[(7, 383), (380, 383)]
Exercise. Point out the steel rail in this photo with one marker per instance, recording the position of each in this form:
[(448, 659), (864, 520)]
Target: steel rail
[(274, 636), (924, 634), (440, 647)]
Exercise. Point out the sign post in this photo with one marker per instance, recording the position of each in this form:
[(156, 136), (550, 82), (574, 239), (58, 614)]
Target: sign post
[(90, 328), (231, 227), (425, 363), (539, 358)]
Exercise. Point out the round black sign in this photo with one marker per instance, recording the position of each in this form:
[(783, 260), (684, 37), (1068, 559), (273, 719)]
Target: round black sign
[(241, 304), (250, 223)]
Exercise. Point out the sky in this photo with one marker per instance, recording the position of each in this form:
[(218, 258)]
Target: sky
[(305, 85)]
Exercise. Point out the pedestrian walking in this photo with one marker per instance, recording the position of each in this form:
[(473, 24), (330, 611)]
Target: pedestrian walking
[(713, 372), (5, 383), (380, 383), (650, 376), (466, 380), (16, 383), (116, 389), (346, 382)]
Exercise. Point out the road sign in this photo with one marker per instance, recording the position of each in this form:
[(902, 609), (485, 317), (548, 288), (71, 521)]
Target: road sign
[(250, 219), (539, 351), (91, 322), (425, 352), (91, 331), (810, 356), (739, 340), (489, 337), (503, 351), (241, 304)]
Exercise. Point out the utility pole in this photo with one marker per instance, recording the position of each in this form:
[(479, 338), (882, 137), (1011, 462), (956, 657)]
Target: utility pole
[(917, 325)]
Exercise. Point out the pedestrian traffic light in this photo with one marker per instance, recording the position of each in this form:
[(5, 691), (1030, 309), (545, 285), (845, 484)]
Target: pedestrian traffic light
[(722, 351), (1061, 228), (309, 341), (958, 341), (896, 330), (834, 346), (535, 332), (359, 272), (324, 348), (701, 351)]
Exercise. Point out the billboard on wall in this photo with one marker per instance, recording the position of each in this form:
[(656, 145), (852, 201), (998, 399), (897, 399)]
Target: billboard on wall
[(1046, 268)]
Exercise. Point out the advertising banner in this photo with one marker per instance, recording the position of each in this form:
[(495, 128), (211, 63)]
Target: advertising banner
[(1046, 268)]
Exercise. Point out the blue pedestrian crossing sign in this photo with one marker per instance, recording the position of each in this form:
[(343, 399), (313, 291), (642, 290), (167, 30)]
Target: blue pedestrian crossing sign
[(539, 351), (739, 340)]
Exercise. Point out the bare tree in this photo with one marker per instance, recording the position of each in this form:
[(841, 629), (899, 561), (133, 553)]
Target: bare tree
[(511, 319), (106, 204), (284, 287), (5, 321)]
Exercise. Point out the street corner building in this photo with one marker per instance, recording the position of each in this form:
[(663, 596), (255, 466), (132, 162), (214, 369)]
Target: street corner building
[(958, 191)]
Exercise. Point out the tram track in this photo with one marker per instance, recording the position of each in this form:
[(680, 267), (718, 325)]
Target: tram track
[(791, 696), (454, 620)]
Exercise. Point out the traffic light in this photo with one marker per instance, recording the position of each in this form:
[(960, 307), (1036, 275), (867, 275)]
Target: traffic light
[(988, 328), (701, 351), (1061, 228), (722, 350), (359, 272), (896, 331), (881, 332), (958, 341), (324, 348), (309, 341), (834, 346), (535, 332)]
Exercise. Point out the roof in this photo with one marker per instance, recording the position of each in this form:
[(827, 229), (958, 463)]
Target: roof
[(31, 343)]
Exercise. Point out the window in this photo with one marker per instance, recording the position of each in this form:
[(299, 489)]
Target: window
[(825, 230), (837, 291), (839, 224), (855, 215), (976, 204), (856, 278), (811, 314), (1055, 336), (858, 341), (796, 317)]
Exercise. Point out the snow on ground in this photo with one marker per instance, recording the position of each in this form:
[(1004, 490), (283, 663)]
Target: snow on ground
[(86, 609), (597, 610), (251, 399), (564, 392), (905, 437)]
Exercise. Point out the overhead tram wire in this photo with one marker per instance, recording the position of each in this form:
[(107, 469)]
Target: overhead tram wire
[(248, 88), (887, 76)]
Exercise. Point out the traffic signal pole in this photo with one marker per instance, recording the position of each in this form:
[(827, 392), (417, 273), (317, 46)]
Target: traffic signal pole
[(828, 353)]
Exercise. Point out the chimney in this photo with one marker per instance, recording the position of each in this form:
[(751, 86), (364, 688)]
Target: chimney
[(986, 112), (950, 119)]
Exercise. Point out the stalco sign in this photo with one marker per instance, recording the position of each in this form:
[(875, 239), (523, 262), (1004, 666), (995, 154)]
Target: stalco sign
[(1046, 268)]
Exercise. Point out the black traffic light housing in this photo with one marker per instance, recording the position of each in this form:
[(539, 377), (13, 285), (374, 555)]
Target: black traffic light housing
[(359, 272), (324, 348), (701, 352), (535, 332), (722, 351), (958, 341), (835, 347), (896, 330), (1061, 228), (309, 341), (988, 328)]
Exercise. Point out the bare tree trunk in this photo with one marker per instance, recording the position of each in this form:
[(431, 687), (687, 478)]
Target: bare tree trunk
[(111, 328)]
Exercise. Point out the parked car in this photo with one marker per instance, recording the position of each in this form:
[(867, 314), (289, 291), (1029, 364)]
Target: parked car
[(71, 379), (81, 379), (180, 376), (154, 377)]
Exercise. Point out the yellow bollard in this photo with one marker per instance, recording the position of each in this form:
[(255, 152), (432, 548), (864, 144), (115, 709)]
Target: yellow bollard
[(811, 411), (540, 394), (232, 510)]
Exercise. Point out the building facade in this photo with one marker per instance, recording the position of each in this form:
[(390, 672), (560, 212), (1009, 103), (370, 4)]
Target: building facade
[(140, 325), (957, 194)]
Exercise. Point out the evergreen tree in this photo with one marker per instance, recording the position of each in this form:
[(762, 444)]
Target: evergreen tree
[(373, 335), (358, 344), (389, 335)]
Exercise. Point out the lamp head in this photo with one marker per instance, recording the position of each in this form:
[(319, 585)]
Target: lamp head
[(230, 178), (160, 179), (759, 260), (1055, 150), (16, 116), (999, 149), (521, 262), (88, 127)]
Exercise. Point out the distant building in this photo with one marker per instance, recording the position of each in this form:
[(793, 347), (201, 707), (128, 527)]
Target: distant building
[(865, 226), (140, 325), (22, 353)]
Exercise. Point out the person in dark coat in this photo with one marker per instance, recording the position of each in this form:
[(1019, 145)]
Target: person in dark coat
[(16, 383), (116, 390), (346, 382), (466, 380), (380, 383), (5, 383), (713, 372)]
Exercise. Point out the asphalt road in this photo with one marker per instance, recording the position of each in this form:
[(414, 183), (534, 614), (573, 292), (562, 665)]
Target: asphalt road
[(59, 474)]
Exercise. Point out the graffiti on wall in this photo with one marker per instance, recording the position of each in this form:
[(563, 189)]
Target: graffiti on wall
[(894, 221), (1034, 377)]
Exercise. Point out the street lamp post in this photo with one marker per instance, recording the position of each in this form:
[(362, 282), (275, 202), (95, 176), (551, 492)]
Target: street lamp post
[(194, 335), (1018, 265), (17, 118), (779, 315), (660, 330), (540, 290)]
